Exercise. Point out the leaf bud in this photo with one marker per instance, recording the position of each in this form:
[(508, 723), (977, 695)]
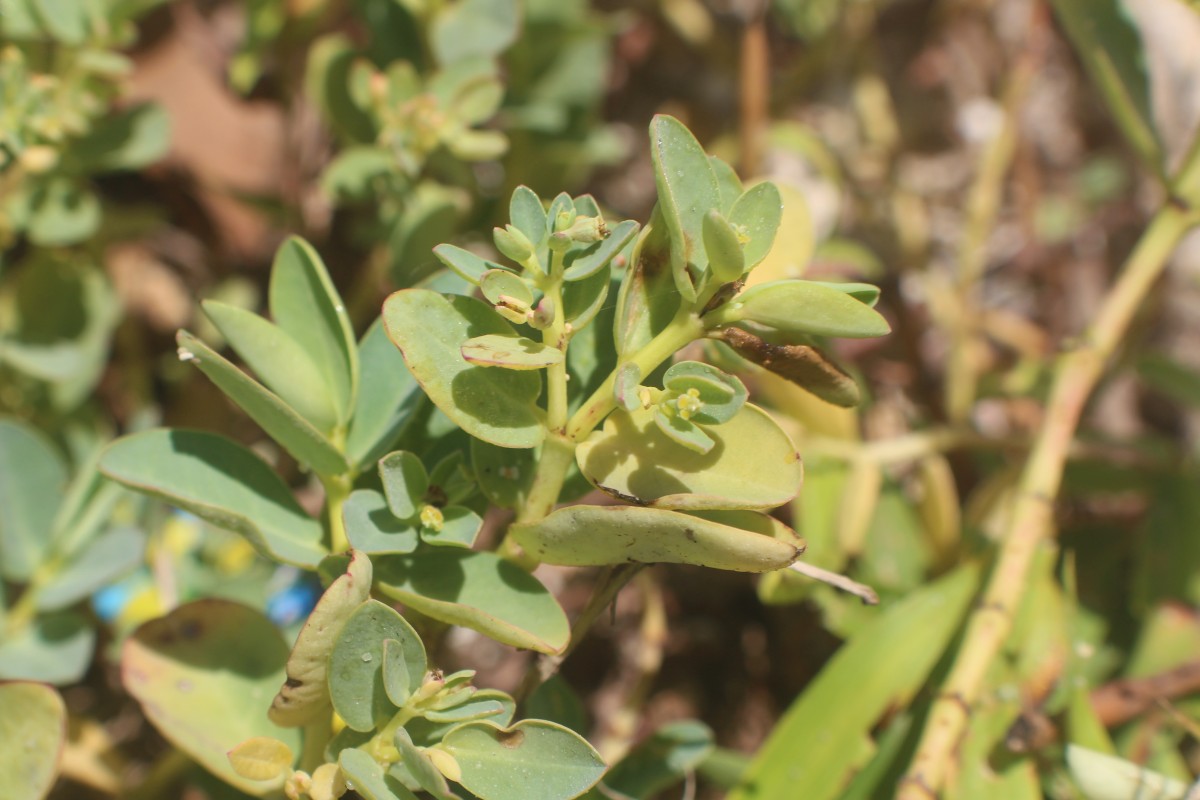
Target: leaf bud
[(513, 243)]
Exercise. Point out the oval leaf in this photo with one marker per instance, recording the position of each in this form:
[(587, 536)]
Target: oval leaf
[(404, 482), (497, 406), (477, 590), (305, 304), (752, 464), (33, 729), (602, 535), (304, 696), (388, 396), (510, 352), (758, 213), (32, 479), (804, 307), (54, 648), (203, 675), (101, 561), (687, 190), (356, 682), (261, 758), (581, 264), (500, 763), (221, 482), (367, 778), (373, 528)]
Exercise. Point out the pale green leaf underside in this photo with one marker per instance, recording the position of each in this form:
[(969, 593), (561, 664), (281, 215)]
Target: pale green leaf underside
[(601, 535), (477, 590), (304, 696), (752, 464), (510, 352)]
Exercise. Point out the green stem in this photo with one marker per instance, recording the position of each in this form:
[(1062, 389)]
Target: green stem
[(682, 331), (337, 489)]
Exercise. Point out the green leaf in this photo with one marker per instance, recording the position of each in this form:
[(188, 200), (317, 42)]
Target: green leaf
[(1105, 777), (728, 181), (602, 535), (304, 695), (101, 561), (326, 81), (490, 704), (753, 463), (472, 29), (278, 360), (356, 664), (803, 307), (306, 305), (532, 760), (1108, 43), (725, 257), (497, 283), (221, 482), (648, 299), (464, 263), (477, 590), (202, 675), (127, 140), (62, 212), (683, 432), (583, 263), (862, 292), (396, 680), (661, 760), (460, 528), (808, 757), (496, 405), (583, 300), (758, 213), (430, 216), (68, 21), (368, 778), (33, 730), (280, 421), (510, 352), (405, 483), (504, 473), (355, 172), (388, 396), (556, 701), (54, 648), (32, 480), (526, 213), (722, 394), (372, 527), (421, 768), (687, 190), (67, 311)]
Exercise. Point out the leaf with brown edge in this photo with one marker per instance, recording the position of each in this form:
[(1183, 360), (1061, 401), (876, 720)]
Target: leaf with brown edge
[(805, 366)]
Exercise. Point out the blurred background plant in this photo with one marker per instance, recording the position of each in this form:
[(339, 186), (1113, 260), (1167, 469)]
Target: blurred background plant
[(991, 165)]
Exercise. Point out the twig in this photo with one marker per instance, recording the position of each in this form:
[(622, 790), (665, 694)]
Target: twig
[(1075, 377), (860, 590)]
